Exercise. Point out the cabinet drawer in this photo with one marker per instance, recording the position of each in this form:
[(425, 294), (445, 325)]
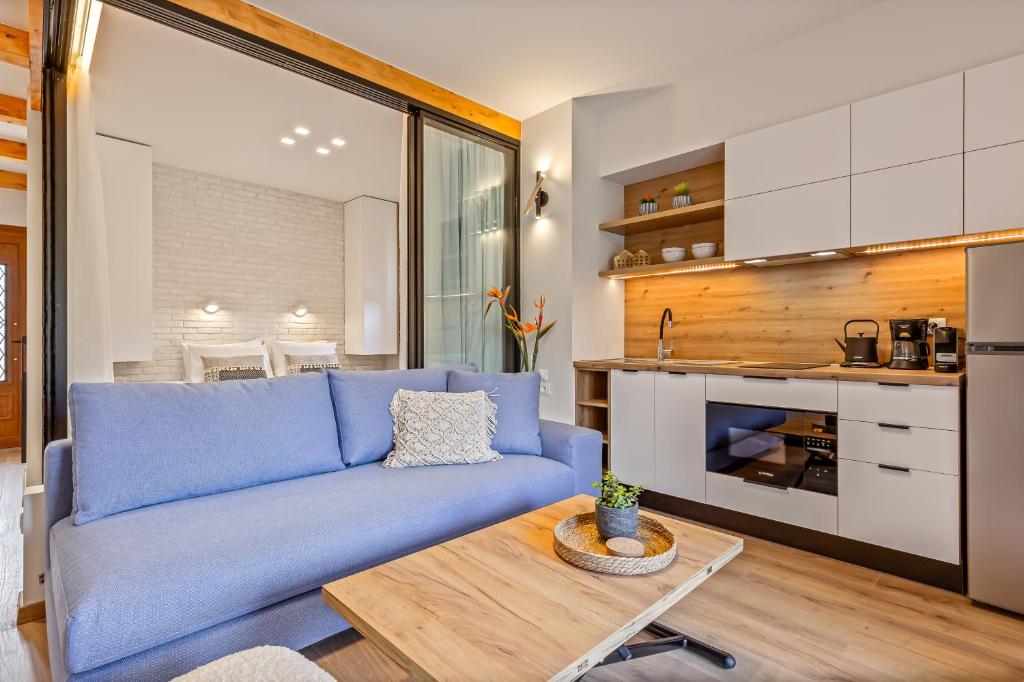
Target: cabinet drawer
[(933, 407), (911, 511), (798, 394), (913, 447), (789, 505), (994, 104), (916, 201), (992, 196), (808, 149), (789, 221), (921, 122)]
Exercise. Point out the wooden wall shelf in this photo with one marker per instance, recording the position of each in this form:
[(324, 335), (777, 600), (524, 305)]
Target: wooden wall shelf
[(659, 269), (673, 217)]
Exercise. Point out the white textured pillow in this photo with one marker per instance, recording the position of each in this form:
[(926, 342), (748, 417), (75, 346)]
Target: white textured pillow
[(442, 428), (193, 355), (279, 349)]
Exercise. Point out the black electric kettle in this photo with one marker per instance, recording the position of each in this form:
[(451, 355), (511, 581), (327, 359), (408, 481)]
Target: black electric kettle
[(860, 350)]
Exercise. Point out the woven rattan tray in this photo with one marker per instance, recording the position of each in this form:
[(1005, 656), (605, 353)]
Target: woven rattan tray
[(578, 542)]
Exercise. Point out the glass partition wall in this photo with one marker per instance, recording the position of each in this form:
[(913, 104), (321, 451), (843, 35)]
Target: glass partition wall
[(469, 243)]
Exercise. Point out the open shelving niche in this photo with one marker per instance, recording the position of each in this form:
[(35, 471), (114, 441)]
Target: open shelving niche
[(593, 403)]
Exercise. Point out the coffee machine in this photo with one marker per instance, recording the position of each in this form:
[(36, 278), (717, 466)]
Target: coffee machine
[(910, 348), (949, 349)]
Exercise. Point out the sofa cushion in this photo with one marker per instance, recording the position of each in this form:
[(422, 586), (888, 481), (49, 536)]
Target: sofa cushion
[(132, 581), (362, 401), (517, 396), (141, 444)]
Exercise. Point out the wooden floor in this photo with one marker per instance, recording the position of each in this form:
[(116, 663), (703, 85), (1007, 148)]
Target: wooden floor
[(784, 614)]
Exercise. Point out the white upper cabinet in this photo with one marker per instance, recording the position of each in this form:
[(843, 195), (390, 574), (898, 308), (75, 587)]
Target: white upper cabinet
[(809, 149), (915, 201), (800, 219), (913, 124), (993, 178), (994, 104), (371, 276)]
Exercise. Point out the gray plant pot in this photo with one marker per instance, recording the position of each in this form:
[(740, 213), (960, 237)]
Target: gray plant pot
[(617, 523), (681, 200)]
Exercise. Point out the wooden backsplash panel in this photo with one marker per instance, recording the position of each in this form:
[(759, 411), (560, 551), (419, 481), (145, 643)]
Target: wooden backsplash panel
[(792, 312), (653, 242), (707, 183)]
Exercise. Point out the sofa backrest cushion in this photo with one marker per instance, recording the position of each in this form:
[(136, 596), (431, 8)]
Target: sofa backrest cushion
[(142, 444), (362, 401), (517, 396)]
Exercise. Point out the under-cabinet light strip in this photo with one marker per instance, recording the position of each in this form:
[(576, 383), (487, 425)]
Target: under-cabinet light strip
[(965, 240), (677, 271)]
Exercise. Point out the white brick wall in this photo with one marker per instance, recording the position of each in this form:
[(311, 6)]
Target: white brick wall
[(257, 251)]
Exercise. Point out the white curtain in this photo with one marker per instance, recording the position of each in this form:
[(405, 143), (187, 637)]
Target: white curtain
[(465, 242), (89, 337)]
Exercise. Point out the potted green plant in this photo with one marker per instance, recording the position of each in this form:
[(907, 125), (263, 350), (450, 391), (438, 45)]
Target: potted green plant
[(648, 204), (682, 195), (617, 508)]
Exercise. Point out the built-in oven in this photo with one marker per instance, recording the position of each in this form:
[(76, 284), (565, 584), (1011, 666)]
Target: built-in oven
[(773, 446)]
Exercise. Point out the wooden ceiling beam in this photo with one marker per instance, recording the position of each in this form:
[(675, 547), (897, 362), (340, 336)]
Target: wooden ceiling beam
[(262, 24), (13, 151), (12, 109), (35, 54), (13, 45), (12, 180)]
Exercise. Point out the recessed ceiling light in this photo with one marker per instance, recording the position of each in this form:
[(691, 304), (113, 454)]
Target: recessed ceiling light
[(288, 141), (323, 150), (301, 130), (755, 261), (824, 253), (338, 142)]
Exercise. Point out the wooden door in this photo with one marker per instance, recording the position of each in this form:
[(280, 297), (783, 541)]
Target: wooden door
[(12, 332)]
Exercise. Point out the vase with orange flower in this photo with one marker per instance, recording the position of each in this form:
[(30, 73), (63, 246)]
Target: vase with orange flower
[(521, 330)]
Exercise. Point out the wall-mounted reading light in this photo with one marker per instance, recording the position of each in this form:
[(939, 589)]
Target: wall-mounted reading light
[(301, 311), (538, 197), (211, 307)]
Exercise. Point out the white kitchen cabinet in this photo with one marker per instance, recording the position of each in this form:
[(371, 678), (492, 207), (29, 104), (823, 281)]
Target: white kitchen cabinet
[(993, 178), (994, 104), (371, 276), (679, 446), (786, 505), (797, 394), (798, 152), (632, 426), (932, 407), (908, 510), (914, 201), (801, 219), (906, 446), (924, 121)]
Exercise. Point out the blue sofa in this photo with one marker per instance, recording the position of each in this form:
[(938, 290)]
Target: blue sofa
[(187, 522)]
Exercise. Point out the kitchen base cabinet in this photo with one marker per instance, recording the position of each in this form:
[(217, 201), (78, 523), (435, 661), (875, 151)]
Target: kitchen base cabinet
[(632, 426), (906, 446), (788, 505), (679, 447), (907, 510)]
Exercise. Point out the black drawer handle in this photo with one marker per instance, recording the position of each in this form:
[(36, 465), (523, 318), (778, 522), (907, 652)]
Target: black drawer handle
[(901, 427), (892, 467), (631, 371), (765, 484), (894, 384), (748, 376)]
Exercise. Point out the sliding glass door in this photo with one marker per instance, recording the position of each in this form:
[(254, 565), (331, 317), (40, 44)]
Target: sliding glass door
[(469, 243)]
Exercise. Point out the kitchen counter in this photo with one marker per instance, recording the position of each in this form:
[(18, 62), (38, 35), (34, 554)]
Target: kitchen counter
[(924, 377)]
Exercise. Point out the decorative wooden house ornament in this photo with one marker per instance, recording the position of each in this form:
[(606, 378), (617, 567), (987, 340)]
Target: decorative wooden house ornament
[(623, 259)]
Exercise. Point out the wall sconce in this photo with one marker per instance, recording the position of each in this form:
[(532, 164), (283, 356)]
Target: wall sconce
[(301, 311), (211, 307), (538, 197)]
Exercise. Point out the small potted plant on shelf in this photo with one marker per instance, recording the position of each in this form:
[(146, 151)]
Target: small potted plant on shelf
[(682, 195), (617, 509), (648, 204)]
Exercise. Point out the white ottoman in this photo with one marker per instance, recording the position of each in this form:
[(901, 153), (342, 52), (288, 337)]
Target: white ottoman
[(260, 664)]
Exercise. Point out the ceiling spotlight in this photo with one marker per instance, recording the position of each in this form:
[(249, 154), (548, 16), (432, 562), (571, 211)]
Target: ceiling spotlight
[(338, 142), (823, 253), (301, 311), (323, 151), (211, 307), (301, 130), (288, 141), (755, 261)]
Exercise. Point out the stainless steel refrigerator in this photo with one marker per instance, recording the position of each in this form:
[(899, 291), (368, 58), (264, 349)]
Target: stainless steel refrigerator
[(995, 425)]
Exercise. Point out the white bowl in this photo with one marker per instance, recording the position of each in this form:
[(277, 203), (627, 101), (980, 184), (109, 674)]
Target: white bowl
[(673, 254), (704, 249)]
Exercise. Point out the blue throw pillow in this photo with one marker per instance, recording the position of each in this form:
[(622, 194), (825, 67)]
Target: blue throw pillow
[(141, 444), (362, 403), (518, 399)]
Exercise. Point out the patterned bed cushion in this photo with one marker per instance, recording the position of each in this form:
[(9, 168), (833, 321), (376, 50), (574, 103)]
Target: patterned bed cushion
[(300, 364), (442, 428), (232, 368)]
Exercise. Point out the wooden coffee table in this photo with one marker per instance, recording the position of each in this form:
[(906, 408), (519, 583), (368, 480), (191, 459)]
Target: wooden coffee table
[(499, 604)]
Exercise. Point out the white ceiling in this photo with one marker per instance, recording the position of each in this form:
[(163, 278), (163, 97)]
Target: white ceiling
[(523, 57), (207, 108), (14, 13)]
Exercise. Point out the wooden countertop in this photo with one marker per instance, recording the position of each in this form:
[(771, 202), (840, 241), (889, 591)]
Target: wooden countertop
[(924, 377)]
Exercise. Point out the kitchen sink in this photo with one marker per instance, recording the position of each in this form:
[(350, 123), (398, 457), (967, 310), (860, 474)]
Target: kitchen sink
[(708, 363)]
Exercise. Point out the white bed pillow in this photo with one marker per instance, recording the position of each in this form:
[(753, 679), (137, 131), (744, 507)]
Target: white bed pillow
[(192, 357), (279, 349)]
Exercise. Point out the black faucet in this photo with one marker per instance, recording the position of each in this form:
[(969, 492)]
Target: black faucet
[(662, 351)]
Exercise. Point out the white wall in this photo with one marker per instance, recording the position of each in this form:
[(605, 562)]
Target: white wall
[(881, 48), (34, 300), (13, 208)]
